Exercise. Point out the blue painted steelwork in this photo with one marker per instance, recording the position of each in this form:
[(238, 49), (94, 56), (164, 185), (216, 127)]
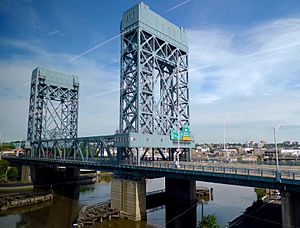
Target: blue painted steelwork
[(154, 97), (154, 73), (263, 178), (154, 92), (101, 147), (104, 147), (53, 105)]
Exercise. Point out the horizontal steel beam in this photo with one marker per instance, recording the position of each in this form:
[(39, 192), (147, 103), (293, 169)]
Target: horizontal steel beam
[(262, 178)]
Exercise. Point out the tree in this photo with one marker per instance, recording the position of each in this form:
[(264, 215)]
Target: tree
[(209, 221), (259, 158), (3, 170), (260, 193), (3, 166), (13, 174), (6, 146)]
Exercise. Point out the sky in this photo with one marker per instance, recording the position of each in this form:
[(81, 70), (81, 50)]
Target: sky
[(243, 63)]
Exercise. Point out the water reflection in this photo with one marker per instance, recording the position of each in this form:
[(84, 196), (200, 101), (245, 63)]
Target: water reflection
[(181, 215), (229, 202), (61, 213)]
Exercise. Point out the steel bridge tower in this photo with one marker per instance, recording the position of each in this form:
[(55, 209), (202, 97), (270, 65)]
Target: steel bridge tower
[(53, 106), (154, 93)]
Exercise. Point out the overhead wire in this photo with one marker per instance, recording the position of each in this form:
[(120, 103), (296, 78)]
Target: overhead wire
[(193, 205)]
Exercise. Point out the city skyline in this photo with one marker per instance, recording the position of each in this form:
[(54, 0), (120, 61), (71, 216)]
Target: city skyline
[(243, 63)]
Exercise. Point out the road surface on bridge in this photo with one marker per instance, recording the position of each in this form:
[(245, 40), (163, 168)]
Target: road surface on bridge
[(239, 165), (194, 170)]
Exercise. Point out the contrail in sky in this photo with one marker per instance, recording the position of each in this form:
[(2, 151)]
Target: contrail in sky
[(93, 48), (116, 36), (272, 50), (178, 5), (251, 55), (104, 93), (111, 39), (27, 83)]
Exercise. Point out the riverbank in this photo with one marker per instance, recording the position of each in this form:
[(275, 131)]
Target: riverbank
[(14, 200), (17, 186), (84, 179), (260, 215)]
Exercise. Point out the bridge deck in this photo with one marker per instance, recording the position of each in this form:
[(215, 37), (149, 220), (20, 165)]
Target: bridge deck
[(245, 175)]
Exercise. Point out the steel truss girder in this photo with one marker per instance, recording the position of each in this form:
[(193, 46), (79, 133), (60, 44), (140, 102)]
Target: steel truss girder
[(154, 84), (85, 148), (53, 111)]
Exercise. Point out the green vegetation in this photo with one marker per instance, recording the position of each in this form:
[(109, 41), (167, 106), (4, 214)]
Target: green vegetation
[(86, 188), (6, 146), (259, 158), (260, 193), (3, 170), (13, 174), (209, 221), (105, 177), (239, 158), (8, 173)]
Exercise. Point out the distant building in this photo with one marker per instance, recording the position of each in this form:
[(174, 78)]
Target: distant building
[(202, 149), (249, 150), (260, 151), (271, 153), (292, 152)]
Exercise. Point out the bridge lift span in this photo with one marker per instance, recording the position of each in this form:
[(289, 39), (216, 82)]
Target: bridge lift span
[(154, 98)]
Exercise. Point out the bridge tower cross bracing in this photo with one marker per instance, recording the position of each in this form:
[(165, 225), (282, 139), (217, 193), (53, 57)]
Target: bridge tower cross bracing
[(154, 92), (53, 106)]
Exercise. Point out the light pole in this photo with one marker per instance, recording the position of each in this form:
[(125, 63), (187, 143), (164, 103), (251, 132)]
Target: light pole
[(224, 135), (276, 149)]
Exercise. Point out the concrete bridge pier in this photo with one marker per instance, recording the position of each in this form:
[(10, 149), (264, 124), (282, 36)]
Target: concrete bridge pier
[(53, 175), (129, 196), (181, 203), (290, 208), (180, 190), (25, 174), (62, 181)]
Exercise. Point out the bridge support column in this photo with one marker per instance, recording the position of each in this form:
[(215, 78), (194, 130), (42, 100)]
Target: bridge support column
[(72, 172), (189, 155), (52, 175), (129, 196), (181, 190), (138, 155), (290, 207), (61, 181), (25, 174), (180, 203)]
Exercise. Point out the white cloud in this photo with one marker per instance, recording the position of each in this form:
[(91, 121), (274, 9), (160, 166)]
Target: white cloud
[(259, 60), (54, 32), (251, 76), (98, 95)]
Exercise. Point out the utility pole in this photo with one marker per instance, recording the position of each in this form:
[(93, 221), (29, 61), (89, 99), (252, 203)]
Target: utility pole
[(224, 134), (275, 129)]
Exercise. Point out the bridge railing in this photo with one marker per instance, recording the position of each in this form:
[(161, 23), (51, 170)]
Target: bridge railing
[(294, 162), (263, 172), (96, 163)]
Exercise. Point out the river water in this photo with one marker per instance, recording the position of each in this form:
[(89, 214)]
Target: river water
[(228, 203)]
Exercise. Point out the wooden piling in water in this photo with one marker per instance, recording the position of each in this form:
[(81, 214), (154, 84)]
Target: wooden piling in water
[(89, 215)]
